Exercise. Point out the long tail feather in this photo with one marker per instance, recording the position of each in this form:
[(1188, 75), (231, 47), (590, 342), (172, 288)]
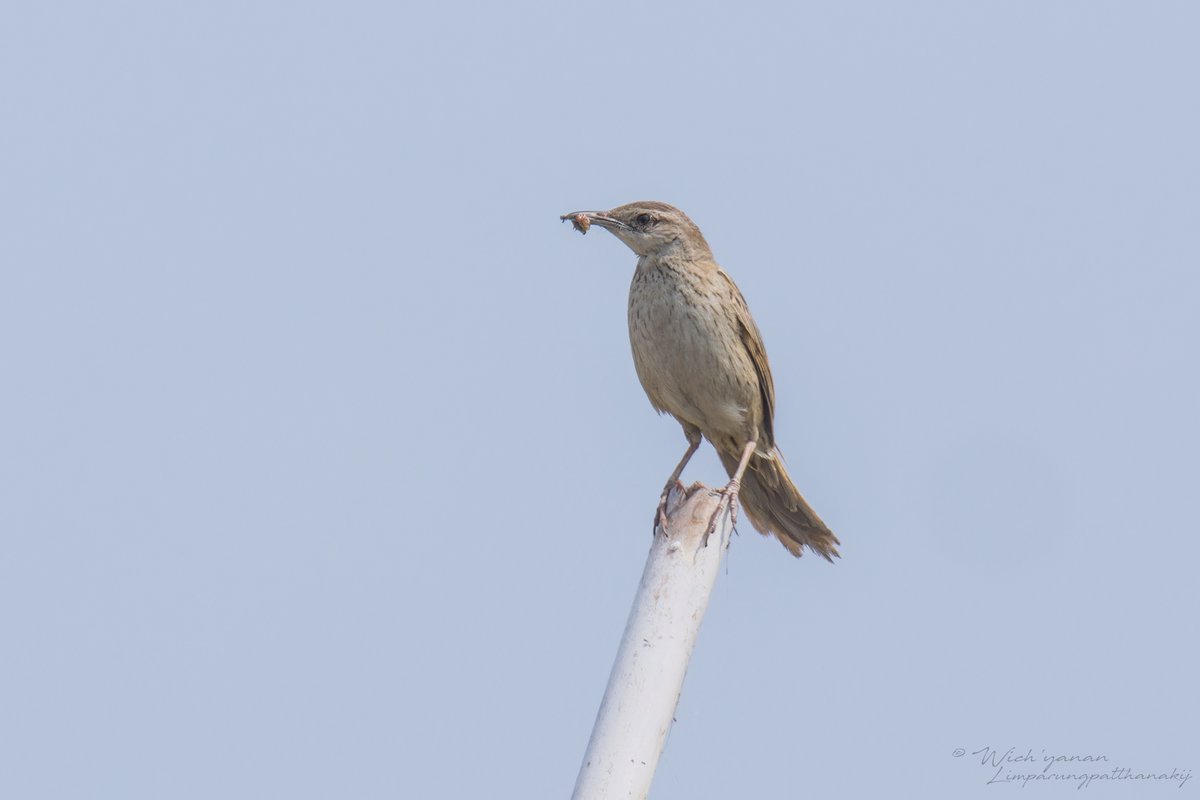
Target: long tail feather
[(775, 506)]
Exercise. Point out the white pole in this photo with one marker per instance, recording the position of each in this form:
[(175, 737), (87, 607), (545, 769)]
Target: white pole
[(647, 677)]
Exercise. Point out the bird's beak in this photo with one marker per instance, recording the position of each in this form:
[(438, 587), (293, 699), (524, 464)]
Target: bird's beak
[(583, 219)]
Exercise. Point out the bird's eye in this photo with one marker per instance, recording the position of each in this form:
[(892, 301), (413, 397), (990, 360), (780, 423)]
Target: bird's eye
[(644, 219)]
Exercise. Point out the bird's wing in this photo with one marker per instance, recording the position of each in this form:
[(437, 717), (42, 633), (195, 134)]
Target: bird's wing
[(752, 341)]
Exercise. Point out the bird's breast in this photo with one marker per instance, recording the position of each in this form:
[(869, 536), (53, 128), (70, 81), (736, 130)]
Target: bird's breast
[(686, 350)]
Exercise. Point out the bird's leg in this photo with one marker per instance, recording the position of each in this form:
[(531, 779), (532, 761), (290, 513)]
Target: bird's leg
[(730, 492), (660, 516)]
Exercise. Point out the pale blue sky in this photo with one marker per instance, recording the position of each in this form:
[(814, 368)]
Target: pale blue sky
[(324, 469)]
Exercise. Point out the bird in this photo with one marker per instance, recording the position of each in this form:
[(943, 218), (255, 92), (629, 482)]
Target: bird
[(700, 358)]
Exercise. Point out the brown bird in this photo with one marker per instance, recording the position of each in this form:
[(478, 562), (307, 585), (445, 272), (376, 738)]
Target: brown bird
[(701, 359)]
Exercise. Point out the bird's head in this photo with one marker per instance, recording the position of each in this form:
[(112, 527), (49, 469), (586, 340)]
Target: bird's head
[(647, 227)]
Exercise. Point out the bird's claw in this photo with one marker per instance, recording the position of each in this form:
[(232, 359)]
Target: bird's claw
[(729, 499), (660, 514)]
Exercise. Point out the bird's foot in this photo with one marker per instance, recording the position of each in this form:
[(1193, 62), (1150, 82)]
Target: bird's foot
[(660, 514), (729, 499)]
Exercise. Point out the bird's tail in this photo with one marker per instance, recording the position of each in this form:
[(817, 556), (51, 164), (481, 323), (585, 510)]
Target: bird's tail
[(774, 505)]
